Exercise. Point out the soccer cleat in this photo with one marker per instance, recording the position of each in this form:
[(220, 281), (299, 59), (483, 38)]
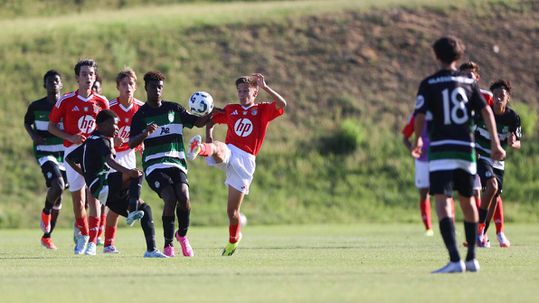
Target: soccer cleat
[(502, 239), (110, 250), (100, 242), (451, 267), (169, 251), (91, 249), (194, 147), (483, 241), (472, 265), (45, 222), (155, 254), (76, 233), (134, 216), (230, 248), (429, 233), (80, 246), (47, 243), (187, 250)]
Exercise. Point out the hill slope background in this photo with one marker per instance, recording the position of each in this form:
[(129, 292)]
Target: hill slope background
[(349, 71)]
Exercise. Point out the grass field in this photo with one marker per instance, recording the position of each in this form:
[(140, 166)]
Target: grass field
[(313, 263)]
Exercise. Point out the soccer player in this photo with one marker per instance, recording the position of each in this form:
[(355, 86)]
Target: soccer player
[(98, 89), (159, 124), (247, 123), (77, 110), (118, 190), (452, 98), (124, 106), (49, 153), (491, 170)]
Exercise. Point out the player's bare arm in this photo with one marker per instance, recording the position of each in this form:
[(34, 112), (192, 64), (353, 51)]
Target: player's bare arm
[(37, 139), (261, 82), (497, 151), (132, 173), (513, 141), (55, 130), (76, 167), (419, 123), (137, 140)]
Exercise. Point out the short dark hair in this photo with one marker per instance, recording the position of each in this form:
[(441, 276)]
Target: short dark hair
[(105, 115), (127, 72), (50, 73), (85, 62), (153, 76), (474, 67), (246, 79), (501, 84), (448, 49)]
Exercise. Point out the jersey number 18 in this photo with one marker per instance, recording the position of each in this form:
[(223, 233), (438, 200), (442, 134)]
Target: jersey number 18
[(454, 106)]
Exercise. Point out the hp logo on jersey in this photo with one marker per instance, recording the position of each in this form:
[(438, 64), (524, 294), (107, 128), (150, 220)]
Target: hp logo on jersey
[(123, 132), (243, 127), (86, 124)]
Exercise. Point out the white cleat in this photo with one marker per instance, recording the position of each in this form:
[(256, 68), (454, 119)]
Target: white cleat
[(154, 254), (111, 249), (91, 249), (451, 267), (472, 265), (80, 244), (502, 239), (194, 147), (134, 216)]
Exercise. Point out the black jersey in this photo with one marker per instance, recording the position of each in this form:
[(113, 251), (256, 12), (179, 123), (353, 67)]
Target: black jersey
[(92, 156), (453, 99)]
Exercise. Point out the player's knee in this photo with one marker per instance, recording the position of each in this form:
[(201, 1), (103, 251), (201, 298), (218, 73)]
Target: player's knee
[(233, 213), (493, 184), (58, 185)]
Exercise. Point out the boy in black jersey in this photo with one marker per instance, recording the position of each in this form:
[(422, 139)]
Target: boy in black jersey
[(119, 190), (452, 99)]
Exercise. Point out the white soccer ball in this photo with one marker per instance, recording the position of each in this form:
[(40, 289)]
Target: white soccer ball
[(200, 103), (243, 220)]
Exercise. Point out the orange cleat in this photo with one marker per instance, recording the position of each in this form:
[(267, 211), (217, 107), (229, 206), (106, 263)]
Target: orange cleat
[(47, 243)]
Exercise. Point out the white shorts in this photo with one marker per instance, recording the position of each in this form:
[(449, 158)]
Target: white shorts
[(239, 167), (75, 180), (127, 158), (422, 174), (477, 182)]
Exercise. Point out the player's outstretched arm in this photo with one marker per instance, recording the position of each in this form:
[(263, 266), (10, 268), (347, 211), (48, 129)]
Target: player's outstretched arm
[(261, 82), (133, 173), (497, 152)]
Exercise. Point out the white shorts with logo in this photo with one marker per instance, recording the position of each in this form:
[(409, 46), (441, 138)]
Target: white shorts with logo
[(422, 174), (127, 158), (75, 180), (239, 167)]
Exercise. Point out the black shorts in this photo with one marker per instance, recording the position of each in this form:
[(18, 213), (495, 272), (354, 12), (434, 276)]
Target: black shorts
[(51, 171), (107, 184), (443, 182), (161, 178), (486, 172)]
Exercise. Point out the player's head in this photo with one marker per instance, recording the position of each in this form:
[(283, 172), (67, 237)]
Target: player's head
[(52, 82), (448, 49), (107, 122), (470, 68), (126, 83), (247, 89), (86, 71), (501, 91), (153, 84), (98, 85)]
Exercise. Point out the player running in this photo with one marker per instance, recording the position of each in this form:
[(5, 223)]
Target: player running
[(77, 110), (452, 98), (119, 190), (49, 153), (159, 124), (247, 123)]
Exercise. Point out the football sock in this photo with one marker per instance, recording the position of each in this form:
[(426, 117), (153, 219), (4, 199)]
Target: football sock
[(498, 216), (168, 229), (234, 233), (147, 227), (110, 234), (470, 229), (54, 218), (102, 222), (447, 229), (134, 192), (94, 228), (183, 221), (48, 207), (424, 206), (482, 215), (82, 225), (206, 149)]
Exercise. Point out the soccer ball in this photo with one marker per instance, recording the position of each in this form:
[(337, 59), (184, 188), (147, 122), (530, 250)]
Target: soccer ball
[(200, 104), (243, 220)]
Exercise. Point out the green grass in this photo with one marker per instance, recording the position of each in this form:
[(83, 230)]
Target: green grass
[(311, 263)]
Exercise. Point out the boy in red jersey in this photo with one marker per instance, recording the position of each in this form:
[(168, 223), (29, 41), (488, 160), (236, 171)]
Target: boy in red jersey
[(247, 123), (78, 110), (125, 106)]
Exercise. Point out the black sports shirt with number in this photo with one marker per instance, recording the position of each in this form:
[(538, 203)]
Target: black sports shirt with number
[(453, 99)]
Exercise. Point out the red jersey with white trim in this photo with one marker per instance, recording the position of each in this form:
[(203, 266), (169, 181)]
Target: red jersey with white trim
[(125, 114), (247, 126), (77, 113), (488, 96)]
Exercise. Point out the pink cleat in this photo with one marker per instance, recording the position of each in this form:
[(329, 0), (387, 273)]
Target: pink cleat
[(187, 250), (169, 251)]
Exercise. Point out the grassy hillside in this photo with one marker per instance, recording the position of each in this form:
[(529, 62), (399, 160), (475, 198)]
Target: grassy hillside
[(349, 70)]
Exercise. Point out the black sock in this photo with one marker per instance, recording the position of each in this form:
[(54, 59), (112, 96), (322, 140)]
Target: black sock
[(183, 221), (54, 218), (470, 229), (134, 193), (168, 229), (482, 215), (48, 207), (147, 227), (447, 229)]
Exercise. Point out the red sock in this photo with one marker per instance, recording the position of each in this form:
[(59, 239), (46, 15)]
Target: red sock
[(110, 234), (424, 207), (206, 149), (498, 216), (102, 224), (82, 225), (234, 233), (94, 228)]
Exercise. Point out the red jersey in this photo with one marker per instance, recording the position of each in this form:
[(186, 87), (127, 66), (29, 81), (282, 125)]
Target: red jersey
[(77, 113), (125, 114), (488, 97), (247, 126)]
